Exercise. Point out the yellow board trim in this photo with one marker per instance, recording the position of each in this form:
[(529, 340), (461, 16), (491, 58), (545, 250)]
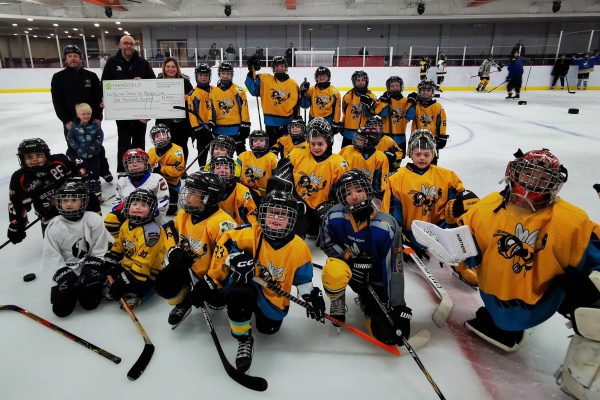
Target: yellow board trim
[(31, 90)]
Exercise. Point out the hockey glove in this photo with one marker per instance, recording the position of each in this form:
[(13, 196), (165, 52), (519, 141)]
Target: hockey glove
[(597, 187), (202, 132), (180, 258), (242, 267), (203, 290), (156, 170), (92, 281), (253, 63), (323, 208), (391, 156), (479, 74), (337, 128), (304, 86), (67, 285), (385, 97), (112, 262), (367, 101), (16, 233), (440, 141), (412, 98), (362, 272), (315, 300), (122, 285), (401, 316), (244, 132), (459, 205)]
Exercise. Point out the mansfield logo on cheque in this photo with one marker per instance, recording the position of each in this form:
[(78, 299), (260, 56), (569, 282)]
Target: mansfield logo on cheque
[(122, 85)]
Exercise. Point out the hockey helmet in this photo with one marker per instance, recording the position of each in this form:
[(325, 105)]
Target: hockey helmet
[(160, 135), (393, 79), (201, 190), (29, 146), (297, 123), (226, 143), (421, 139), (256, 136), (65, 199), (224, 167), (277, 215), (319, 127), (360, 74), (354, 190), (71, 48), (136, 163), (141, 215)]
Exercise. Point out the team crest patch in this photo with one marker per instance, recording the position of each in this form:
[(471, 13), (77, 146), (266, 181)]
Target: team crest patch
[(179, 153), (226, 226)]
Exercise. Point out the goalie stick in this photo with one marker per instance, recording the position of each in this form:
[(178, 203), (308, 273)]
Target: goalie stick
[(251, 382), (443, 310), (144, 359), (63, 332)]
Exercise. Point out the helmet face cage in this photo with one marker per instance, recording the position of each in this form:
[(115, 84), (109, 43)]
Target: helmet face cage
[(224, 142), (359, 74), (142, 196), (29, 146), (69, 191), (427, 84), (375, 123), (279, 60), (185, 196), (216, 167), (393, 79), (354, 191), (323, 71), (160, 135), (277, 215), (421, 139), (366, 138), (252, 139), (206, 186), (133, 158), (319, 127), (297, 123)]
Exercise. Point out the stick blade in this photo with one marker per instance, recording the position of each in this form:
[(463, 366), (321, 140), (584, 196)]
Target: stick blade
[(443, 310), (255, 383), (418, 340), (142, 362)]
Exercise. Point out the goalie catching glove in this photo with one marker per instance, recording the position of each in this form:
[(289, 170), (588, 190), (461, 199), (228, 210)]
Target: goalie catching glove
[(459, 205)]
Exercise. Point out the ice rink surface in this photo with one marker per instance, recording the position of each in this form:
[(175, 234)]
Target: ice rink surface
[(304, 359)]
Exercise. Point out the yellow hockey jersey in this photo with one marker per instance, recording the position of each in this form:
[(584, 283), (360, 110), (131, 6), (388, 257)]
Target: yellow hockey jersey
[(172, 163), (285, 145), (143, 249), (256, 171), (387, 144), (432, 117), (288, 265), (240, 205), (230, 109), (198, 238), (278, 99), (420, 194), (376, 166), (199, 101), (326, 103), (313, 180), (355, 113), (395, 120)]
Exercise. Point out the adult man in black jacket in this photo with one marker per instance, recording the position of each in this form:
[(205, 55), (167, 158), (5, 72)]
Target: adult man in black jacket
[(74, 85), (560, 70), (128, 64)]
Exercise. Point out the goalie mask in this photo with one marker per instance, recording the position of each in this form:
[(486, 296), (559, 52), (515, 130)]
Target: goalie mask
[(277, 215), (535, 178), (72, 199), (319, 127), (354, 191)]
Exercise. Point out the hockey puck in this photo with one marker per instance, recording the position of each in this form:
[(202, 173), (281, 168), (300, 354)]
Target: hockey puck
[(29, 277), (522, 103), (573, 110)]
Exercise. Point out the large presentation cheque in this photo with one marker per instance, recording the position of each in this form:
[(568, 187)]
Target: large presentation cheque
[(143, 99)]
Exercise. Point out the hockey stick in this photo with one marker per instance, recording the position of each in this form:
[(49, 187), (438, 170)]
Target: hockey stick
[(63, 332), (529, 73), (305, 120), (406, 343), (251, 382), (203, 123), (27, 227), (490, 91), (257, 97), (568, 87), (142, 362), (443, 310)]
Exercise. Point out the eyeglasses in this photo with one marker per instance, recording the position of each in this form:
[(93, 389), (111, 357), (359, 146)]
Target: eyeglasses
[(128, 43)]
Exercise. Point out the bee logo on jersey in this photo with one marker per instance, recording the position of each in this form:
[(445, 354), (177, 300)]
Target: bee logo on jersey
[(426, 119), (279, 96), (426, 198), (80, 248), (356, 111), (254, 173), (519, 247), (277, 273), (225, 105), (198, 247), (322, 101), (310, 184), (397, 115)]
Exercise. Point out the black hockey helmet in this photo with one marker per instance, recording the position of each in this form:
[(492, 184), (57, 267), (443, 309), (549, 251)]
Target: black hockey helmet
[(323, 71), (71, 48), (225, 142), (392, 79), (164, 139), (35, 145), (426, 84), (297, 123), (277, 215), (376, 123), (225, 66), (358, 74), (216, 164), (357, 181), (278, 60), (319, 127), (258, 134), (207, 186), (145, 196), (72, 189), (366, 138), (203, 68)]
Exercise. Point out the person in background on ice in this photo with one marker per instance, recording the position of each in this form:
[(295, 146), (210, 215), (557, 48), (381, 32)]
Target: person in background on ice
[(257, 165), (136, 257), (424, 65), (33, 185), (73, 252), (485, 69), (429, 114), (441, 70), (279, 95), (358, 104), (560, 70), (536, 252), (269, 250), (323, 99), (296, 137), (585, 65), (191, 239), (230, 106), (361, 244), (426, 192), (514, 78), (202, 116), (85, 137), (168, 160), (139, 176)]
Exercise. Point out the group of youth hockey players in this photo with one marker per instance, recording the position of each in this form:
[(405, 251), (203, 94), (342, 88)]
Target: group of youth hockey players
[(213, 238)]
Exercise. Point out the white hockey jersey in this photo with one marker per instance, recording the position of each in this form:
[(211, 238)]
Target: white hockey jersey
[(151, 181), (68, 243)]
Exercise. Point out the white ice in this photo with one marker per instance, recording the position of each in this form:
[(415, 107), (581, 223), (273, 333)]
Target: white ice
[(305, 359)]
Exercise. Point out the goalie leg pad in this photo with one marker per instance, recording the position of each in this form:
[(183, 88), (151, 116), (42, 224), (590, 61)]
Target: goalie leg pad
[(579, 376), (586, 322)]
